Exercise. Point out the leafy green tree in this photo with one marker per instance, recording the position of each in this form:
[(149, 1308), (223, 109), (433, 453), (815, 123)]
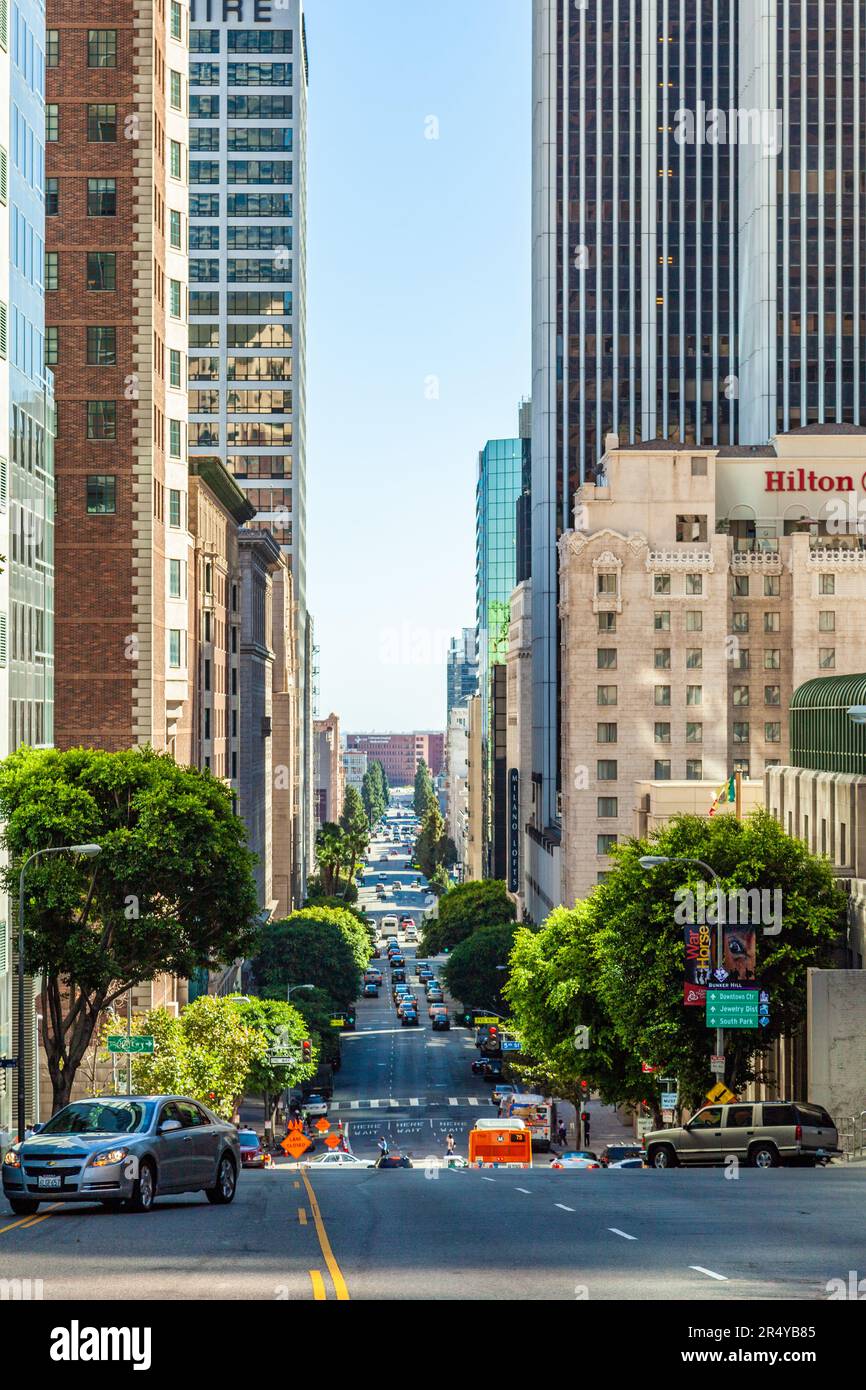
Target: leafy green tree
[(383, 778), (285, 1029), (356, 832), (423, 788), (208, 1052), (472, 970), (431, 839), (315, 946), (173, 888), (318, 1008), (440, 881), (372, 794), (468, 906)]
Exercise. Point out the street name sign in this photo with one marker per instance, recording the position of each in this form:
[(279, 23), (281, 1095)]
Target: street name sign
[(138, 1042), (280, 1059), (511, 1045), (732, 1008)]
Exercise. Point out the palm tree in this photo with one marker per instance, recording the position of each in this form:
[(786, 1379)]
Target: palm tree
[(331, 853)]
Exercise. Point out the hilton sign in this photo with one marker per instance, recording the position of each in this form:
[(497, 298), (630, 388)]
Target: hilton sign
[(807, 480)]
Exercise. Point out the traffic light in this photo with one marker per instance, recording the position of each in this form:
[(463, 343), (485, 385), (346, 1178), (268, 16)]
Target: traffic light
[(493, 1036), (306, 1050), (467, 1019)]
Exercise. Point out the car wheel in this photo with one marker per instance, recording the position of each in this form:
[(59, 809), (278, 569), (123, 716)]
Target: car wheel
[(144, 1190), (763, 1156), (23, 1206), (663, 1157), (223, 1190)]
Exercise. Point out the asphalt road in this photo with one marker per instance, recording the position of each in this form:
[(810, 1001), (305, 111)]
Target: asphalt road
[(433, 1233)]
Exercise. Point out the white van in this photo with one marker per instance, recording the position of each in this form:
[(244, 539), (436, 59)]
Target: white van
[(390, 926)]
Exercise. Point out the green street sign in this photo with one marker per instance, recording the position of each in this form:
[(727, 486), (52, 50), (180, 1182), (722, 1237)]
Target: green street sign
[(139, 1042), (732, 1008)]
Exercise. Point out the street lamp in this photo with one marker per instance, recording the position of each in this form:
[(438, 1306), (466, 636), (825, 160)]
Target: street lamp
[(857, 714), (87, 852), (652, 861), (290, 989)]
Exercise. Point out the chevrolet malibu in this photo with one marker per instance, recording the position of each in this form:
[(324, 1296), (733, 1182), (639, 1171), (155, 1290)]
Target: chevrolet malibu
[(124, 1149)]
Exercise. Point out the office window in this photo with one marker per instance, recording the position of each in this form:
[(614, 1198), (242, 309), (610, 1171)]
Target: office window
[(52, 197), (51, 345), (174, 229), (772, 622), (662, 695), (662, 658), (177, 20), (174, 648), (826, 622), (606, 769), (52, 48), (772, 585), (827, 658), (741, 694), (52, 121), (174, 579), (102, 124), (101, 419), (694, 658), (101, 198), (174, 369), (699, 467), (694, 620), (102, 48), (742, 765), (101, 346), (772, 658), (174, 507), (608, 807), (662, 621), (174, 162), (772, 694), (101, 494), (605, 733), (604, 843), (741, 586), (662, 733), (662, 770), (606, 621), (207, 722), (203, 106), (102, 270), (691, 528), (694, 694), (742, 660), (661, 584), (606, 584), (773, 731), (694, 770), (204, 139), (605, 659), (174, 88), (694, 733), (741, 732), (694, 583), (826, 583), (740, 622), (174, 288), (204, 238), (606, 694), (52, 270), (174, 438)]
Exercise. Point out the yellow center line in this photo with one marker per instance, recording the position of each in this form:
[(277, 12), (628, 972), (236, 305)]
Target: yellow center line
[(333, 1268), (34, 1220), (318, 1285), (29, 1220), (302, 1216)]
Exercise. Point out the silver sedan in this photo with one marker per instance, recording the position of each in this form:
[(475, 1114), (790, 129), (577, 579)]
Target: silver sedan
[(124, 1149)]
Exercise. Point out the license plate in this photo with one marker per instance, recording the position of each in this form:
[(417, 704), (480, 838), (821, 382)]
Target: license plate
[(49, 1180)]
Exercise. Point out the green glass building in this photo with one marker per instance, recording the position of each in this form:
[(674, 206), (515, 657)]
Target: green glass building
[(500, 482)]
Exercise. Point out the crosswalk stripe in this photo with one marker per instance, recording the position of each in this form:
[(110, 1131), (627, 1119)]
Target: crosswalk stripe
[(392, 1101), (414, 1101), (374, 1105), (355, 1105), (473, 1100), (452, 1100)]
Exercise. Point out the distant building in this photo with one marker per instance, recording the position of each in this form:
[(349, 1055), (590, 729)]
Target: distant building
[(328, 780), (462, 668), (401, 754), (355, 766), (456, 775)]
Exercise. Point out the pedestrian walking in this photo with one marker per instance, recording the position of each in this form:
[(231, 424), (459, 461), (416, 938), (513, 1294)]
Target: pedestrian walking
[(449, 1144), (383, 1146), (562, 1133)]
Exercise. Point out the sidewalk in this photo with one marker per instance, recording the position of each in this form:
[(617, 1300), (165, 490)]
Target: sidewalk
[(605, 1125)]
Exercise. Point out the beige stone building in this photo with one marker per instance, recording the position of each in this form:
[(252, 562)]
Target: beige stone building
[(518, 667), (473, 862), (698, 589), (329, 772)]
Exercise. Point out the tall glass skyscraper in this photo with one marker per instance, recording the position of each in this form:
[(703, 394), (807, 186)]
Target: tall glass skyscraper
[(698, 254), (500, 475), (247, 364), (26, 443)]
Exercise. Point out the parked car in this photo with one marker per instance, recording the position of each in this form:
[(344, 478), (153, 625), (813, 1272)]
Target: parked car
[(580, 1160), (618, 1153), (252, 1151), (316, 1105), (627, 1163), (393, 1161), (123, 1150), (762, 1134), (337, 1160)]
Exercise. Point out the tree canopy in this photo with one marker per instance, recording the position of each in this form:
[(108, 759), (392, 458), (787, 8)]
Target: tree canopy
[(424, 792), (472, 970), (172, 889), (322, 946), (468, 906)]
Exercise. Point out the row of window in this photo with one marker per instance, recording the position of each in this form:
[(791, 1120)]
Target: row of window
[(208, 138), (274, 205), (260, 401), (241, 369), (242, 40), (241, 74), (270, 302), (101, 500), (241, 335), (101, 275), (271, 106), (270, 238), (242, 433), (253, 270), (101, 48), (271, 171)]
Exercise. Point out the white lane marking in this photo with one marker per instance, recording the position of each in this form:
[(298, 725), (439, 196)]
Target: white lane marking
[(392, 1101), (452, 1100), (617, 1232), (356, 1105), (374, 1105), (562, 1207), (522, 1189), (710, 1273), (483, 1179), (473, 1100), (414, 1101)]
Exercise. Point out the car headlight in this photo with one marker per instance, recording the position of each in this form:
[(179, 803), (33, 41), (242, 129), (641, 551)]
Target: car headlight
[(11, 1159), (109, 1156)]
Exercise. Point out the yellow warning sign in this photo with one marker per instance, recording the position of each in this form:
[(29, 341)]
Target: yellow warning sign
[(720, 1095)]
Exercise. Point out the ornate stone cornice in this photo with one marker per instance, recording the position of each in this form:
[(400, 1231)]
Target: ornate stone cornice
[(670, 561)]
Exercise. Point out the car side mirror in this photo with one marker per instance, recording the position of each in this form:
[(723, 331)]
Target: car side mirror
[(169, 1126), (36, 1129)]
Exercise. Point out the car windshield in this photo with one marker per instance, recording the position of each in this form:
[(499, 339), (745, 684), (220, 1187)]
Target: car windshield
[(248, 1139), (101, 1117)]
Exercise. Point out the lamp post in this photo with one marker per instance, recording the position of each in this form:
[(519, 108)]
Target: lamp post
[(87, 852), (290, 989), (652, 861)]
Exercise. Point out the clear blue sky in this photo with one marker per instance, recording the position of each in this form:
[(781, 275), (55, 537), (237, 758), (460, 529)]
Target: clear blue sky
[(418, 268)]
